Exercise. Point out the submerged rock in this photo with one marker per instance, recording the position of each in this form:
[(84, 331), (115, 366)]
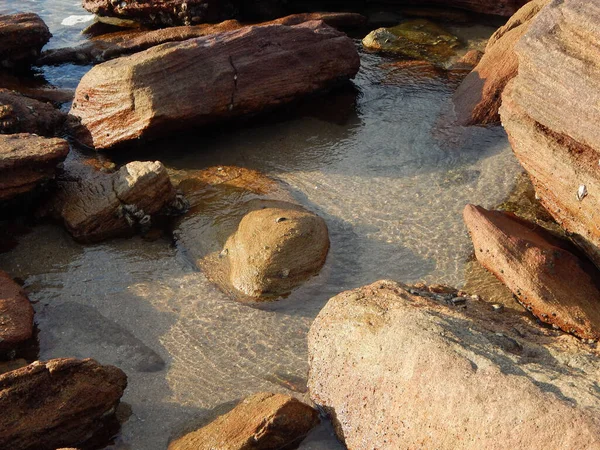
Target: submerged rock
[(417, 39), (61, 402), (263, 421), (20, 114), (26, 161), (22, 37), (211, 79), (396, 369), (16, 314), (541, 270)]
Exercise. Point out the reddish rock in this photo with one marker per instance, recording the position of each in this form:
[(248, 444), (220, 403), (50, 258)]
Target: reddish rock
[(478, 98), (16, 313), (20, 114), (263, 421), (34, 88), (22, 37), (503, 8), (58, 403), (547, 278), (550, 112), (211, 79), (26, 161)]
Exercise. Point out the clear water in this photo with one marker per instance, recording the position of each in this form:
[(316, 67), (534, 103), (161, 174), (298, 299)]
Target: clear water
[(380, 164)]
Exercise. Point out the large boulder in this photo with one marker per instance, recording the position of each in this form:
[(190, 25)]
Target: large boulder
[(20, 114), (263, 421), (400, 369), (210, 79), (22, 37), (478, 98), (27, 161), (543, 272), (16, 314), (550, 111), (61, 402)]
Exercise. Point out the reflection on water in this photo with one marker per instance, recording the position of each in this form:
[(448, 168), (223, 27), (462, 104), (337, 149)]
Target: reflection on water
[(379, 162)]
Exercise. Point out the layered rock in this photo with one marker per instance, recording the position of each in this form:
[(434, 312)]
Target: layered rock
[(550, 111), (397, 369), (16, 314), (542, 271), (61, 402), (22, 37), (478, 98), (35, 88), (27, 161), (263, 421), (211, 79), (20, 114)]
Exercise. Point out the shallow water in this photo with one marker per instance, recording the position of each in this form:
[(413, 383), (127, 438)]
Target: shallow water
[(379, 162)]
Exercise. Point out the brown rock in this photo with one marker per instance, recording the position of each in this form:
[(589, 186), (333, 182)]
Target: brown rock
[(398, 370), (478, 98), (263, 421), (210, 79), (469, 59), (20, 114), (22, 36), (57, 403), (16, 313), (551, 111), (504, 8), (554, 284), (95, 205), (27, 161), (34, 88)]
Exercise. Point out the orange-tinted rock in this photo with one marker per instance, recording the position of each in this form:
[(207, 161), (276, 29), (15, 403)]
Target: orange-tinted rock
[(20, 114), (16, 313), (58, 403), (211, 79), (22, 36), (553, 283)]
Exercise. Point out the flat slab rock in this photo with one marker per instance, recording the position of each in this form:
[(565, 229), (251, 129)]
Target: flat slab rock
[(398, 369), (57, 403), (16, 314), (27, 160), (22, 37), (20, 114), (211, 79), (552, 282), (263, 421)]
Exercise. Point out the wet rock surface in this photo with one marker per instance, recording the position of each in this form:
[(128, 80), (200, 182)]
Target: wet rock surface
[(448, 377), (20, 114), (61, 402), (26, 161), (263, 421), (22, 37), (16, 314), (213, 78)]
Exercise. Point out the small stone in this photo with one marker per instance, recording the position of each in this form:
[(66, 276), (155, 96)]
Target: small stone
[(581, 192), (497, 307)]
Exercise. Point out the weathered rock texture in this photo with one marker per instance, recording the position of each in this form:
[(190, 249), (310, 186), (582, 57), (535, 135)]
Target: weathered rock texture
[(61, 402), (35, 88), (16, 313), (210, 79), (22, 37), (27, 161), (400, 370), (113, 45), (554, 284), (20, 114), (478, 98), (503, 8), (263, 421), (95, 205), (550, 111)]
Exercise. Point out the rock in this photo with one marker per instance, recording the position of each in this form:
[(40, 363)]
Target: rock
[(542, 271), (550, 112), (478, 98), (95, 205), (212, 79), (446, 377), (504, 8), (113, 45), (416, 39), (35, 88), (20, 114), (61, 402), (468, 60), (27, 161), (263, 421), (22, 37), (16, 314)]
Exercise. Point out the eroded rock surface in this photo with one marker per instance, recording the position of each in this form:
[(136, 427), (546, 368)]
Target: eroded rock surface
[(16, 314), (400, 370), (263, 421), (20, 114), (22, 37)]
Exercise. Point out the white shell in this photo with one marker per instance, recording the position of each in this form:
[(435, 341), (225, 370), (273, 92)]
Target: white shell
[(581, 192)]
